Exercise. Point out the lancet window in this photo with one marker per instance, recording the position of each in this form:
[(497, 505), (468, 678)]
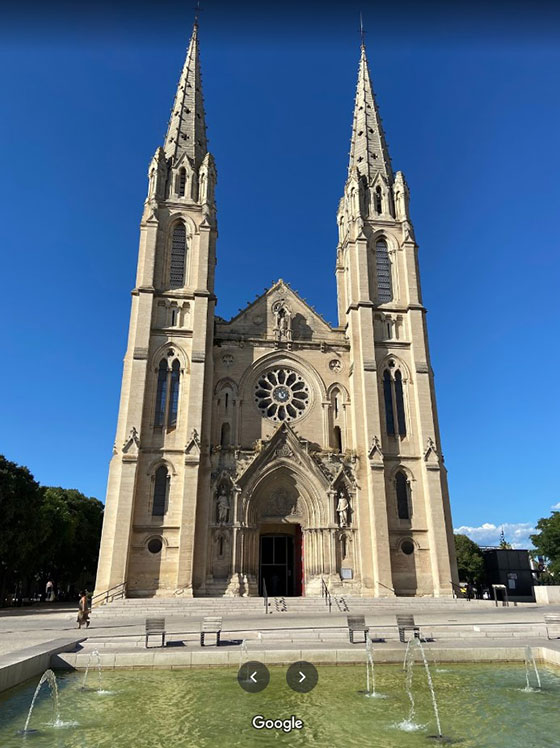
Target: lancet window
[(167, 394), (161, 491), (383, 265), (402, 488), (393, 395), (178, 262)]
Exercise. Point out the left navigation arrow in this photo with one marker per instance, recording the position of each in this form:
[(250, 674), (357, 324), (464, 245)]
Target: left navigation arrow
[(253, 676)]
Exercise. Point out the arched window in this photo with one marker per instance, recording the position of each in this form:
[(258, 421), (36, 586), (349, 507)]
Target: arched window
[(393, 396), (388, 395), (337, 439), (161, 396), (167, 394), (225, 437), (402, 487), (174, 394), (182, 182), (383, 264), (161, 485), (337, 420), (399, 402), (378, 201), (178, 256)]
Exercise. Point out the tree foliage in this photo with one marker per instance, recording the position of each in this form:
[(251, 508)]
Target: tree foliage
[(71, 530), (46, 533), (470, 561), (547, 541), (504, 544), (20, 500)]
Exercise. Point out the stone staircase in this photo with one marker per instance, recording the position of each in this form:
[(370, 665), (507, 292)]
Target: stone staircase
[(254, 606), (299, 622)]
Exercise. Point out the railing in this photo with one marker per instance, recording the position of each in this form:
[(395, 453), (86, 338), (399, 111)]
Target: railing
[(386, 587), (326, 594), (265, 596), (113, 593)]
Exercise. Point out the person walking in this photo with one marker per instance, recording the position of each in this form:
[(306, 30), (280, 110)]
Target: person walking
[(49, 591), (83, 611)]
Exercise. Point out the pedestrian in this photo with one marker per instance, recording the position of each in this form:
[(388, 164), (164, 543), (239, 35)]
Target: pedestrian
[(49, 591), (83, 611)]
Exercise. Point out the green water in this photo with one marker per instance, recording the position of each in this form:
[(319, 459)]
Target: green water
[(481, 706)]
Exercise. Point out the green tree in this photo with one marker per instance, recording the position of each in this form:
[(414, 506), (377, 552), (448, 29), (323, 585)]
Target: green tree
[(470, 561), (20, 500), (71, 531), (547, 541), (504, 545)]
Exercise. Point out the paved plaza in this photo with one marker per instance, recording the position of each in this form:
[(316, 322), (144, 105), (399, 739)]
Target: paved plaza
[(292, 625)]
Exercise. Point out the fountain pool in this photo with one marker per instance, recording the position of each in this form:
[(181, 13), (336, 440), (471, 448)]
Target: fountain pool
[(480, 706)]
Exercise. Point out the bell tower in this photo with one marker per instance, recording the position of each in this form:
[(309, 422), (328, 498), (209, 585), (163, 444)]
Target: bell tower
[(158, 472), (407, 538)]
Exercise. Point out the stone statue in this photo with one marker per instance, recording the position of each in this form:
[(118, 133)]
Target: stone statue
[(342, 510), (223, 508), (283, 326)]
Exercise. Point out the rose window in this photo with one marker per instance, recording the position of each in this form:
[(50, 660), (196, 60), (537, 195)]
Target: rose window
[(281, 395)]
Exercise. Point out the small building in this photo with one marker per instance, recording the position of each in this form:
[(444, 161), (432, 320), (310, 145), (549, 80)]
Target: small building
[(511, 567)]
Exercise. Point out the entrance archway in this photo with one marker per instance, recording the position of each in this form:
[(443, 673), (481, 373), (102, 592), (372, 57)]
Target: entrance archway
[(285, 500)]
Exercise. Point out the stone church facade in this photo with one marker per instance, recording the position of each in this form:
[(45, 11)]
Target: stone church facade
[(274, 450)]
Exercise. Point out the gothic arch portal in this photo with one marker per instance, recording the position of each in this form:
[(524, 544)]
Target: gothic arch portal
[(283, 492), (289, 538)]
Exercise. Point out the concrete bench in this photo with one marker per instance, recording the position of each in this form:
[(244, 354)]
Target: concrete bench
[(406, 623), (211, 625), (552, 620), (357, 623), (155, 627)]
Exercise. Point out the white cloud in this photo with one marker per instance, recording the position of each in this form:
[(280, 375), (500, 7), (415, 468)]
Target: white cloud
[(556, 507), (516, 533)]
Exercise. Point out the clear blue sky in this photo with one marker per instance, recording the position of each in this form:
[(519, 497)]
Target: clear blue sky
[(472, 115)]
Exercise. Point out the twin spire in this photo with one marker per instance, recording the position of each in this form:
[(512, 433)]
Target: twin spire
[(186, 133)]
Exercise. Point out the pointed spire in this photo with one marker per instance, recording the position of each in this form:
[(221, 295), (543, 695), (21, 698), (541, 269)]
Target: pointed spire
[(187, 128), (368, 149)]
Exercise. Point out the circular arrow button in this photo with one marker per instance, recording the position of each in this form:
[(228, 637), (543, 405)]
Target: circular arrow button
[(302, 676), (253, 676)]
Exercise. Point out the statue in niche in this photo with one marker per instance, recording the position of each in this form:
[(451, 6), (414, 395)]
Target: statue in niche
[(283, 321), (222, 506), (342, 508)]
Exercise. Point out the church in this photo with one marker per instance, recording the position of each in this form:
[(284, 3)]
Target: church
[(273, 453)]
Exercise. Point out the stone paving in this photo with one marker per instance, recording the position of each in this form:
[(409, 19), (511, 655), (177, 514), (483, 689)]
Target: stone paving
[(119, 628)]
